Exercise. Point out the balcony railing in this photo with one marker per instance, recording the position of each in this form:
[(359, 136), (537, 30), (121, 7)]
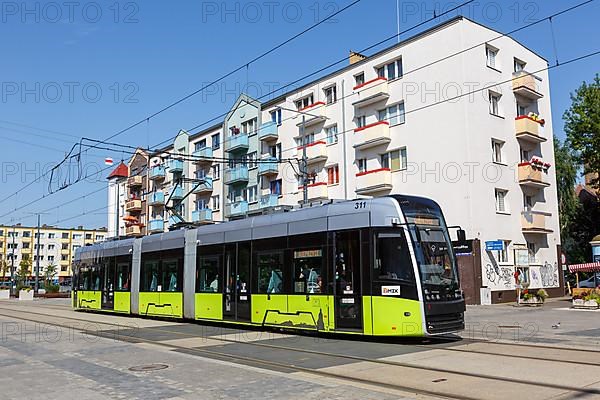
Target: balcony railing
[(176, 166), (371, 92), (535, 222), (133, 205), (270, 200), (203, 155), (176, 193), (204, 187), (315, 152), (527, 85), (268, 131), (268, 166), (202, 216), (316, 191), (173, 220), (156, 199), (157, 172), (372, 135), (133, 230), (532, 176), (134, 181), (374, 181), (236, 174), (156, 225), (237, 208), (236, 142), (313, 114), (528, 129)]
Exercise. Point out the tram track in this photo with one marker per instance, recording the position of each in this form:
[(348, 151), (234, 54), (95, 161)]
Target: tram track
[(295, 368)]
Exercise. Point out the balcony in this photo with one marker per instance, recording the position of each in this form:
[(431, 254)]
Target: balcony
[(527, 85), (174, 220), (202, 216), (133, 205), (156, 225), (528, 129), (133, 230), (203, 187), (315, 152), (157, 172), (268, 131), (156, 199), (237, 208), (375, 181), (532, 176), (316, 191), (237, 142), (176, 166), (134, 181), (372, 135), (203, 155), (534, 222), (371, 92), (237, 174), (270, 200), (176, 193), (313, 114), (268, 166)]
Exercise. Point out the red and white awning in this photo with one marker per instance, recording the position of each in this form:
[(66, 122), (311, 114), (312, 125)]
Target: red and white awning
[(588, 267)]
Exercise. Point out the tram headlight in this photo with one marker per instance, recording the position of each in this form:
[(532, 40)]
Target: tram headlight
[(437, 297), (426, 291), (427, 297)]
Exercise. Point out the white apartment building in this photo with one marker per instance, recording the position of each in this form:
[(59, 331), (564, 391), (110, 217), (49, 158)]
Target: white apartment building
[(471, 129)]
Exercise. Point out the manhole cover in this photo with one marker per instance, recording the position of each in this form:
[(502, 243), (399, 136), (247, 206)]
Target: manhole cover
[(148, 367)]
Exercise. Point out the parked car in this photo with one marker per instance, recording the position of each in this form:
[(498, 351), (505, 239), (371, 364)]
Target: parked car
[(590, 282)]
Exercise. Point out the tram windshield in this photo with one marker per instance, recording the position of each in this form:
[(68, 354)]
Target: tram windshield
[(433, 248)]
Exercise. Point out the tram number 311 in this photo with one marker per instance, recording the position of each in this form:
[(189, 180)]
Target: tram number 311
[(360, 204)]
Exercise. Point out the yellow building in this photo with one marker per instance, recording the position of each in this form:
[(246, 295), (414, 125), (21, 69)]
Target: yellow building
[(57, 247)]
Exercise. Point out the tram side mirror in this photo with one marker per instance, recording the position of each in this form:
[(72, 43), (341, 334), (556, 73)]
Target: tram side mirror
[(461, 235)]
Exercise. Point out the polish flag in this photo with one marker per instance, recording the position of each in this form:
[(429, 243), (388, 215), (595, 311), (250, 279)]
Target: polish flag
[(108, 161)]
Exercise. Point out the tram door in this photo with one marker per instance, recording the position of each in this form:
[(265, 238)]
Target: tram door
[(347, 289), (236, 296), (108, 285)]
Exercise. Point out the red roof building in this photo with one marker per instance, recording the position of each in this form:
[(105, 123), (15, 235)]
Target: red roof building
[(122, 171)]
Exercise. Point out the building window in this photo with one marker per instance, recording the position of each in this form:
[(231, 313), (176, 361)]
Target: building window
[(201, 204), (275, 151), (501, 205), (51, 258), (51, 247), (41, 235), (275, 187), (249, 127), (65, 246), (395, 160), (88, 236), (99, 237), (216, 171), (519, 65), (52, 236), (532, 250), (330, 94), (65, 235), (394, 115), (64, 257), (41, 246), (491, 54), (26, 245), (251, 194), (333, 175), (502, 255), (77, 236), (359, 79), (216, 202), (216, 140), (497, 151), (276, 116), (304, 102), (26, 234), (251, 158), (391, 70), (521, 109), (527, 202), (200, 145), (494, 103), (13, 234), (362, 164), (331, 133), (361, 121)]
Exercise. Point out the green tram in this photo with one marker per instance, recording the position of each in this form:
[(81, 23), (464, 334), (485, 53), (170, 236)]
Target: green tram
[(382, 266)]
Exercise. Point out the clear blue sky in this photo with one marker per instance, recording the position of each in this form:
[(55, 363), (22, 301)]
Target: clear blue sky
[(144, 55)]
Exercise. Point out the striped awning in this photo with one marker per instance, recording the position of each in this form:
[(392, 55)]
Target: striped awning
[(588, 267)]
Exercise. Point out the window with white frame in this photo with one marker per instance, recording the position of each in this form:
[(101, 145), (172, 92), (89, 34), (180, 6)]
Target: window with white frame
[(200, 145), (251, 194), (501, 203), (216, 141), (333, 175), (491, 55), (249, 126), (519, 65), (275, 187), (216, 171), (330, 94), (502, 256), (527, 202), (395, 160), (362, 164), (52, 236), (494, 103), (497, 151), (521, 109), (331, 134), (525, 155), (309, 138), (276, 115), (393, 114), (251, 157), (532, 250), (304, 102), (359, 79), (361, 121), (391, 70), (216, 202), (201, 204), (51, 258)]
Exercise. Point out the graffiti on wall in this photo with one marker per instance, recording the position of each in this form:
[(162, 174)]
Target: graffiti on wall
[(549, 274), (498, 276)]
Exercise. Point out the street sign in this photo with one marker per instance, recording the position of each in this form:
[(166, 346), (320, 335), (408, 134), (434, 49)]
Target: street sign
[(563, 259), (494, 245)]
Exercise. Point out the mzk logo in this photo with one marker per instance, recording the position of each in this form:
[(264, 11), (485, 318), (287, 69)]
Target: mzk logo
[(390, 290)]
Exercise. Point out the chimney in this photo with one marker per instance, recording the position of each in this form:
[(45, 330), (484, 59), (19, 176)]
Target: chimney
[(355, 57)]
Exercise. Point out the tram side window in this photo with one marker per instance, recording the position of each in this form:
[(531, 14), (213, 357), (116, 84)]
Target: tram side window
[(170, 282), (84, 278), (122, 277), (149, 274), (392, 258), (308, 264), (270, 272), (347, 262), (95, 284), (207, 274)]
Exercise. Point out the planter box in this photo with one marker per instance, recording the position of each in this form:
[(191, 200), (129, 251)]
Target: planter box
[(25, 294), (585, 304), (4, 294), (531, 302)]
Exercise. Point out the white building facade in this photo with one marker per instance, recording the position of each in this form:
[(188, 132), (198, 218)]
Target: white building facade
[(471, 129)]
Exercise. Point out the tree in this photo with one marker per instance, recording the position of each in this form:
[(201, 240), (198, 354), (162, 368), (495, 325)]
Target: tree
[(582, 125), (4, 268), (23, 272), (49, 275)]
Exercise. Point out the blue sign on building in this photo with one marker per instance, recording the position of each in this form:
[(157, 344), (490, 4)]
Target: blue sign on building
[(494, 245)]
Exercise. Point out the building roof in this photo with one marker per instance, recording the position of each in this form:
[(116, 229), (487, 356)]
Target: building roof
[(122, 171)]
